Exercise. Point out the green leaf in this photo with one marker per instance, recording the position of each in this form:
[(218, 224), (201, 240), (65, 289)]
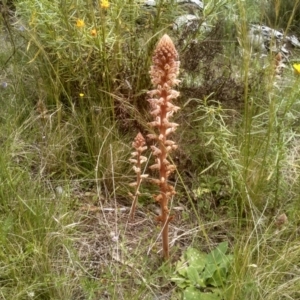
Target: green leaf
[(181, 267), (196, 258), (217, 266), (209, 271), (193, 275), (197, 269), (181, 282), (217, 255), (191, 293), (219, 278), (210, 296), (184, 284)]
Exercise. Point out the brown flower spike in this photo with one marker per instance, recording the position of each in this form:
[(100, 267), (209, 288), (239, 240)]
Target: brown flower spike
[(137, 159), (164, 72)]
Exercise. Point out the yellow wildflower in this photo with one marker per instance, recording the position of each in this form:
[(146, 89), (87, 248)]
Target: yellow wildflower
[(296, 68), (93, 32), (80, 23), (81, 95), (104, 4)]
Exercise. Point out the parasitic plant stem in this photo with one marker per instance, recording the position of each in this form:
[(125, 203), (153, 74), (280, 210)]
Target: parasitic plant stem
[(164, 72), (137, 159)]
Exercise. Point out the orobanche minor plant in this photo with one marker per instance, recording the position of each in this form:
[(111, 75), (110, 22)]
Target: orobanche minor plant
[(137, 159), (163, 73)]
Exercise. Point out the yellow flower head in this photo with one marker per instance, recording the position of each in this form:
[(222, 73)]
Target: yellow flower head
[(296, 68), (104, 4), (81, 95), (79, 23), (93, 32)]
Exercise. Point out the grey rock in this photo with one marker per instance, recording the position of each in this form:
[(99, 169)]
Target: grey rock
[(190, 22), (185, 20), (197, 3), (267, 38)]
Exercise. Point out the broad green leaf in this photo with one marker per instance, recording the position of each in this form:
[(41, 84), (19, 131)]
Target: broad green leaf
[(191, 293), (196, 258), (193, 275), (219, 278), (217, 255), (209, 271), (209, 296), (217, 265)]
